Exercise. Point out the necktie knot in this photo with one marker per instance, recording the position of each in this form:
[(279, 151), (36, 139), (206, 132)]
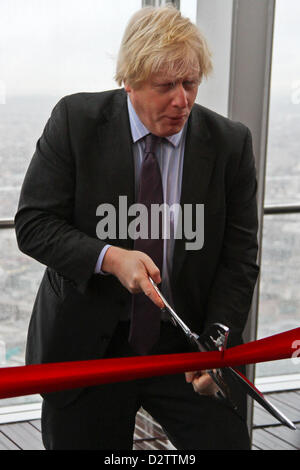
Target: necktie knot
[(151, 141)]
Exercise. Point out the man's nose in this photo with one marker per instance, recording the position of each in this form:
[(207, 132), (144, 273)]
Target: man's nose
[(180, 96)]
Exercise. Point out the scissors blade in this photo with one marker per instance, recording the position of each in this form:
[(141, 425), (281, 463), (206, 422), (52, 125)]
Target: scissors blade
[(193, 338), (219, 376), (254, 393), (171, 311)]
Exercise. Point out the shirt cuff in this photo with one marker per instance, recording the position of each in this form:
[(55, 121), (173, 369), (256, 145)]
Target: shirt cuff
[(100, 260)]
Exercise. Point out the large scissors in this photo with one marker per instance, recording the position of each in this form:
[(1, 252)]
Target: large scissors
[(216, 339)]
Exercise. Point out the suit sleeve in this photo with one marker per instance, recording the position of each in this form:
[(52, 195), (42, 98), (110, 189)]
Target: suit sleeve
[(230, 296), (44, 219)]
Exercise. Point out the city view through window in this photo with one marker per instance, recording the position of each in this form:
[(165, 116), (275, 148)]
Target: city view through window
[(48, 50), (279, 306)]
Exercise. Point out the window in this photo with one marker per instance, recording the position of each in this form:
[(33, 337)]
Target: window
[(48, 49), (279, 291)]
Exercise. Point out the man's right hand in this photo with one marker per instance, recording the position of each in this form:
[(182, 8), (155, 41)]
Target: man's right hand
[(133, 269)]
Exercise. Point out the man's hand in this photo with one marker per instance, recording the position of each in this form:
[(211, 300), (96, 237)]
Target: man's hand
[(133, 269), (202, 382)]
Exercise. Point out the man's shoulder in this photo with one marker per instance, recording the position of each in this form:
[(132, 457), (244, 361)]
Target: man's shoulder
[(94, 105), (216, 123)]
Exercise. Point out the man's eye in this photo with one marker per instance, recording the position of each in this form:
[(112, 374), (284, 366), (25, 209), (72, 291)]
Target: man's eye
[(190, 84), (166, 86)]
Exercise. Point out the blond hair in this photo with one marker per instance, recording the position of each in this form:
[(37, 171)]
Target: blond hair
[(160, 38)]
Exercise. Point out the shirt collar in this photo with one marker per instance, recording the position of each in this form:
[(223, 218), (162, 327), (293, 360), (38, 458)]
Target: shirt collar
[(139, 130)]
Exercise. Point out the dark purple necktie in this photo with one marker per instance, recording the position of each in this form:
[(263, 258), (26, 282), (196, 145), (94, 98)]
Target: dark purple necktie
[(145, 316)]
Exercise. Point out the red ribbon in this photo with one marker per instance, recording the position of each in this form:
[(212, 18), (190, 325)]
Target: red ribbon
[(44, 378)]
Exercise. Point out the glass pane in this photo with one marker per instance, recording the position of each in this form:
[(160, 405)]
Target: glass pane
[(188, 8), (279, 308), (19, 281), (283, 165), (22, 120), (48, 49)]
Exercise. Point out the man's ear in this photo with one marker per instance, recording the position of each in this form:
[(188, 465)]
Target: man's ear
[(127, 87)]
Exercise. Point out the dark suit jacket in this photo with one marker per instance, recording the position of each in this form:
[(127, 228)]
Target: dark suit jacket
[(84, 158)]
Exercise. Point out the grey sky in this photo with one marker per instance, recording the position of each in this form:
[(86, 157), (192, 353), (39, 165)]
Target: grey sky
[(286, 46), (64, 46), (61, 46)]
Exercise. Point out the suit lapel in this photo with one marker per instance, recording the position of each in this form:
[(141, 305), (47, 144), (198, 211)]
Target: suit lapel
[(117, 158), (199, 158)]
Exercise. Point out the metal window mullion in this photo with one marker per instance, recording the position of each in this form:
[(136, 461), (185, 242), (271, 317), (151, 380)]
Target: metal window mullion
[(249, 93), (158, 3), (248, 102), (7, 223)]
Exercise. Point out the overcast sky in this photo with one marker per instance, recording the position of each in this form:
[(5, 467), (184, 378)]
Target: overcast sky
[(286, 47), (63, 46), (50, 46)]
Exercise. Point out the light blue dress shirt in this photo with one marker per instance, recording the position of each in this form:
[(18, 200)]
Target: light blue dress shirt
[(170, 155)]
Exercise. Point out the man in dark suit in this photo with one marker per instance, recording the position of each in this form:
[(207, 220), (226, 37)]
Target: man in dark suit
[(90, 154)]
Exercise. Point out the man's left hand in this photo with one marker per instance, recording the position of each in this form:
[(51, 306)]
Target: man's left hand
[(202, 382)]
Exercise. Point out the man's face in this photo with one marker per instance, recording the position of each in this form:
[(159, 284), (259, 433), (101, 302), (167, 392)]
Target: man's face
[(163, 103)]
